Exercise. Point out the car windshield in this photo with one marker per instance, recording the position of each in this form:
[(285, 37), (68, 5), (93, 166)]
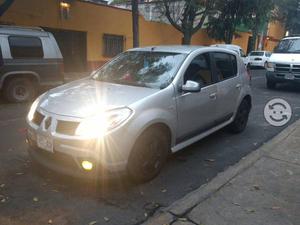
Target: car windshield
[(256, 53), (142, 68), (288, 46)]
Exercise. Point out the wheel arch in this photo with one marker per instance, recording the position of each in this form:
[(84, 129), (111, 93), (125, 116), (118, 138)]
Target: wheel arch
[(26, 74)]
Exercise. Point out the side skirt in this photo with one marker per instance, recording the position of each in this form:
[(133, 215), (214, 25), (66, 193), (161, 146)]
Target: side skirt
[(194, 139)]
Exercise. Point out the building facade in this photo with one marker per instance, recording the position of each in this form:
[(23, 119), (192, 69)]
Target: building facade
[(89, 34)]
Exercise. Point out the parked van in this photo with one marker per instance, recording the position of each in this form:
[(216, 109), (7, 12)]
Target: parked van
[(29, 58), (284, 64)]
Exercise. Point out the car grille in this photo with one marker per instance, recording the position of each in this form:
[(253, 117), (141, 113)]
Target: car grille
[(287, 68), (66, 127), (37, 118)]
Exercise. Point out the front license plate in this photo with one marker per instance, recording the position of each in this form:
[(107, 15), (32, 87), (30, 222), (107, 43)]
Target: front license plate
[(45, 142), (289, 77)]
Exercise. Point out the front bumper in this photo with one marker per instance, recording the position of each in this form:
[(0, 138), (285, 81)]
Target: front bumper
[(282, 77), (257, 63), (108, 155)]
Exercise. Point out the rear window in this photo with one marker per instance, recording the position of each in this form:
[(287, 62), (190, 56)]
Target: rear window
[(257, 54), (226, 65), (25, 47)]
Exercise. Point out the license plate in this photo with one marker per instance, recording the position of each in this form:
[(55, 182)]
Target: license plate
[(290, 77), (45, 142)]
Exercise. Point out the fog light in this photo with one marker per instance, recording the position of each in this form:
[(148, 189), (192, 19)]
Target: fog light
[(87, 165)]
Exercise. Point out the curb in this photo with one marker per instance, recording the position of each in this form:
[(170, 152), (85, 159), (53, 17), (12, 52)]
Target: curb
[(182, 206)]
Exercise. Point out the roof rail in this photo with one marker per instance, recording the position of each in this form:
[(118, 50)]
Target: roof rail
[(292, 35), (21, 27)]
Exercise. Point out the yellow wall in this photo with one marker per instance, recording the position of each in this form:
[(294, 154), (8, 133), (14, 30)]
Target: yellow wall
[(97, 20), (276, 32)]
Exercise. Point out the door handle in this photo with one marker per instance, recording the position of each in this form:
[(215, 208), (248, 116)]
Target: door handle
[(238, 86), (213, 96)]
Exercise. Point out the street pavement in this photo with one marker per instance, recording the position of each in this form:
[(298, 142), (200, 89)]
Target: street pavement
[(33, 196), (261, 189)]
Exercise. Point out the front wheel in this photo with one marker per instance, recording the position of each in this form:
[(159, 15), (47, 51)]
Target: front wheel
[(241, 119), (149, 155)]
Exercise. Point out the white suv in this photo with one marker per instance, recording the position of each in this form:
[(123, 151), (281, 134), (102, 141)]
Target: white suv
[(284, 64), (135, 110)]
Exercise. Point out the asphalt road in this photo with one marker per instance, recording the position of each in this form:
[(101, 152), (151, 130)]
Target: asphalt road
[(33, 196)]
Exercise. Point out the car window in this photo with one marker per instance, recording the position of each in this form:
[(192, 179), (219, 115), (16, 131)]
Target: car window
[(268, 54), (257, 54), (25, 47), (142, 68), (199, 70), (226, 65)]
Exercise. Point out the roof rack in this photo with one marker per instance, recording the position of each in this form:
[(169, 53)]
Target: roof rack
[(21, 27)]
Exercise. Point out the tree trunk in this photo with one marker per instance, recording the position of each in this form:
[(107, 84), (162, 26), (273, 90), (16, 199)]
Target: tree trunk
[(187, 38), (253, 39), (5, 5), (135, 23)]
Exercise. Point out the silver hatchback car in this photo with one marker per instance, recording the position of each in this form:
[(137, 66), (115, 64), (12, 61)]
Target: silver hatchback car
[(146, 103)]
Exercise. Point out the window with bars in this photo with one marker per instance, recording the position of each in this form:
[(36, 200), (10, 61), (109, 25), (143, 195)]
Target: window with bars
[(113, 44)]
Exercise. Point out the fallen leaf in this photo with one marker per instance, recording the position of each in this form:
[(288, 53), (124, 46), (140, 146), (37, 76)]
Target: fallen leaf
[(50, 221), (250, 210), (106, 219), (35, 199), (145, 214), (210, 160), (275, 207), (3, 200), (237, 204), (93, 222), (163, 190), (55, 191), (290, 172), (20, 173), (182, 219), (2, 185), (256, 187)]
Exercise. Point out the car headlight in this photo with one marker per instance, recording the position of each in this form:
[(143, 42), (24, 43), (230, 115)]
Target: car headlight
[(270, 66), (34, 107), (102, 123)]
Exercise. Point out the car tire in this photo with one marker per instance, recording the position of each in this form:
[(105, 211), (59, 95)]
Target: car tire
[(240, 121), (271, 84), (148, 156), (19, 90)]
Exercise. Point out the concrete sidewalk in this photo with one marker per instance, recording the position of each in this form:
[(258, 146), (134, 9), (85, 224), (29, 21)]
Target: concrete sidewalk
[(262, 189)]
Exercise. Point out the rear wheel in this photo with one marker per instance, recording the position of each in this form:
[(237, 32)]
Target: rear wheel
[(271, 84), (148, 155), (241, 119), (19, 90)]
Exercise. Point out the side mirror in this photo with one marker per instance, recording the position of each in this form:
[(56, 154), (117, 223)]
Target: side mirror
[(191, 86)]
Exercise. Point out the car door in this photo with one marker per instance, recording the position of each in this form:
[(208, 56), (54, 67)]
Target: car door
[(228, 86), (196, 111)]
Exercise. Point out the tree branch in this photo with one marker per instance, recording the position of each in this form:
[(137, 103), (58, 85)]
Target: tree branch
[(5, 5)]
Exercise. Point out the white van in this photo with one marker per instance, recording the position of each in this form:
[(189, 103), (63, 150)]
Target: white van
[(29, 58), (284, 64)]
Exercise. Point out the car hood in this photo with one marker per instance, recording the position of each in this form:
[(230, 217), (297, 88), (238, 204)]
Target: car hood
[(86, 97), (285, 58)]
